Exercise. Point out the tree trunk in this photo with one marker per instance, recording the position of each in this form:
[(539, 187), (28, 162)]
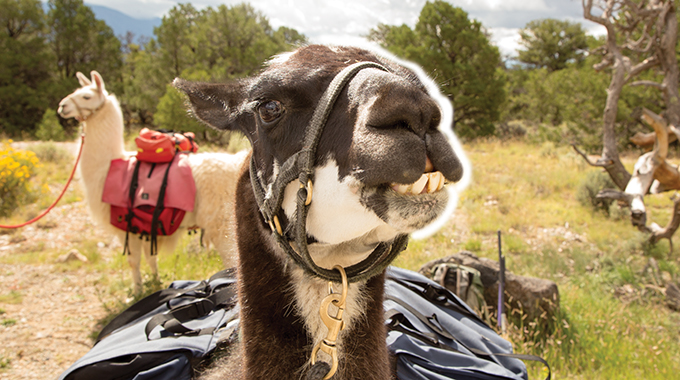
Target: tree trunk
[(669, 65), (610, 153), (648, 29)]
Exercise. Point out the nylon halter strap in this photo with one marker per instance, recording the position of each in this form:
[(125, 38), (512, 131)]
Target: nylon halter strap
[(92, 110), (301, 166)]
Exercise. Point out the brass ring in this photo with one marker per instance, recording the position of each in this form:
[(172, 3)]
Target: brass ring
[(276, 225), (345, 286), (310, 190)]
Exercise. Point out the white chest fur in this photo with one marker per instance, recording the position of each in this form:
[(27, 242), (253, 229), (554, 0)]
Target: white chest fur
[(309, 293)]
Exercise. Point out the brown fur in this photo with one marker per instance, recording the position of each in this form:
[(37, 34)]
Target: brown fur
[(383, 129)]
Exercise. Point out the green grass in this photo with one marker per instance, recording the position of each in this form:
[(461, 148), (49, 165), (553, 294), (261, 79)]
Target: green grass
[(5, 363), (115, 289), (12, 297), (613, 323)]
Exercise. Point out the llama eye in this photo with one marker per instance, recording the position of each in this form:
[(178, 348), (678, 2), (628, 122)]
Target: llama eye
[(86, 97), (270, 110)]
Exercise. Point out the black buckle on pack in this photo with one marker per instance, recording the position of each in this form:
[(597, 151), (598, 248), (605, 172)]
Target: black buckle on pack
[(203, 307), (435, 294)]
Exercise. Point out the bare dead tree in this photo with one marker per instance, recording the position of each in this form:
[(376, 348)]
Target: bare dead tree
[(641, 35)]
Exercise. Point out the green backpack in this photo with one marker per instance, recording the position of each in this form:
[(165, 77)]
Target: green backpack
[(463, 281)]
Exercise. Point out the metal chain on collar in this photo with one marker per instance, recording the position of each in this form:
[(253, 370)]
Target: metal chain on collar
[(301, 166)]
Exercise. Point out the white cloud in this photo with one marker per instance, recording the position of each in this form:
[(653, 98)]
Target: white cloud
[(507, 40), (502, 5)]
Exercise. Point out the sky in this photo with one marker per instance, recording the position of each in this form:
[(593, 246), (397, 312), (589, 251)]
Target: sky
[(346, 21)]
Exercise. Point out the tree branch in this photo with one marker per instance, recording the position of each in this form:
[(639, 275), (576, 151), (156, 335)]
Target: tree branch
[(649, 83), (588, 13), (672, 226), (599, 163), (642, 66), (617, 195), (661, 130)]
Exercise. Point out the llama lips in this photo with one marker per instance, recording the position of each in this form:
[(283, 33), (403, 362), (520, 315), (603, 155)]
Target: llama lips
[(426, 184)]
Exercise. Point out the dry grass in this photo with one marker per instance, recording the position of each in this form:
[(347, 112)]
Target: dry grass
[(613, 323)]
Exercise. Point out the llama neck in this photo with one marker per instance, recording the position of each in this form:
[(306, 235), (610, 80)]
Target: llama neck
[(279, 309), (103, 143), (104, 133)]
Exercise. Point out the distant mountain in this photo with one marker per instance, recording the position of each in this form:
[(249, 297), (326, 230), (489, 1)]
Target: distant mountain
[(122, 23)]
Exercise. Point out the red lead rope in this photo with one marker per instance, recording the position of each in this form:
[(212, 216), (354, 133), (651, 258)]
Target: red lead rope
[(73, 172)]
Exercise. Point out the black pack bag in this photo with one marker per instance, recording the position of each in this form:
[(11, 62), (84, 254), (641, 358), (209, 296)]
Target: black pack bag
[(436, 336), (161, 335), (432, 333)]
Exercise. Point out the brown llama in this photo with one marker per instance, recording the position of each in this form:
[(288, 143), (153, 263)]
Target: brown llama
[(351, 152)]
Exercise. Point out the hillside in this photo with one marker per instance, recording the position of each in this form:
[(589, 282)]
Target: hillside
[(122, 23)]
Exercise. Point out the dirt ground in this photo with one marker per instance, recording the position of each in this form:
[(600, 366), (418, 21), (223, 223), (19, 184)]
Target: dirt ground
[(49, 311)]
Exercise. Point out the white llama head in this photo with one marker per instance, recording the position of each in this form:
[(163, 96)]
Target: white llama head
[(86, 100)]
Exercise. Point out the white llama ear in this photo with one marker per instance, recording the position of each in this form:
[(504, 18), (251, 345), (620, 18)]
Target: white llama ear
[(97, 79), (83, 79)]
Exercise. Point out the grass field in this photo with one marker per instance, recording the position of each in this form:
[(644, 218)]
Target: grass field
[(613, 322)]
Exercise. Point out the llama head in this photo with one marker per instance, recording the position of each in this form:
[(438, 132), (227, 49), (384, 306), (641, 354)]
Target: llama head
[(382, 158), (86, 100)]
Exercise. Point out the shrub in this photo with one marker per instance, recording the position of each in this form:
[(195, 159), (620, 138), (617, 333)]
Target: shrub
[(16, 169), (49, 128), (50, 152), (590, 186), (171, 113)]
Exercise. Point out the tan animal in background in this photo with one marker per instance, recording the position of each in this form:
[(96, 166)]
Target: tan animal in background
[(215, 175)]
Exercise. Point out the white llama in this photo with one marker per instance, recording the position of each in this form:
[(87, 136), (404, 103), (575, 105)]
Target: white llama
[(215, 175)]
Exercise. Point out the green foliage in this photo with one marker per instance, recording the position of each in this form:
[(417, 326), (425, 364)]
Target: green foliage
[(41, 54), (49, 152), (567, 105), (456, 50), (24, 66), (82, 43), (171, 113), (213, 44), (49, 128), (574, 95), (587, 191), (552, 43)]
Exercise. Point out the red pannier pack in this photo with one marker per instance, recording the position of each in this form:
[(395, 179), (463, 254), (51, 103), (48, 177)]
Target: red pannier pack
[(149, 194), (161, 146)]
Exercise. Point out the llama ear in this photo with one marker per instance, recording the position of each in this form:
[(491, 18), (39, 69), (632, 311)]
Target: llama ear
[(82, 79), (98, 80), (216, 104)]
